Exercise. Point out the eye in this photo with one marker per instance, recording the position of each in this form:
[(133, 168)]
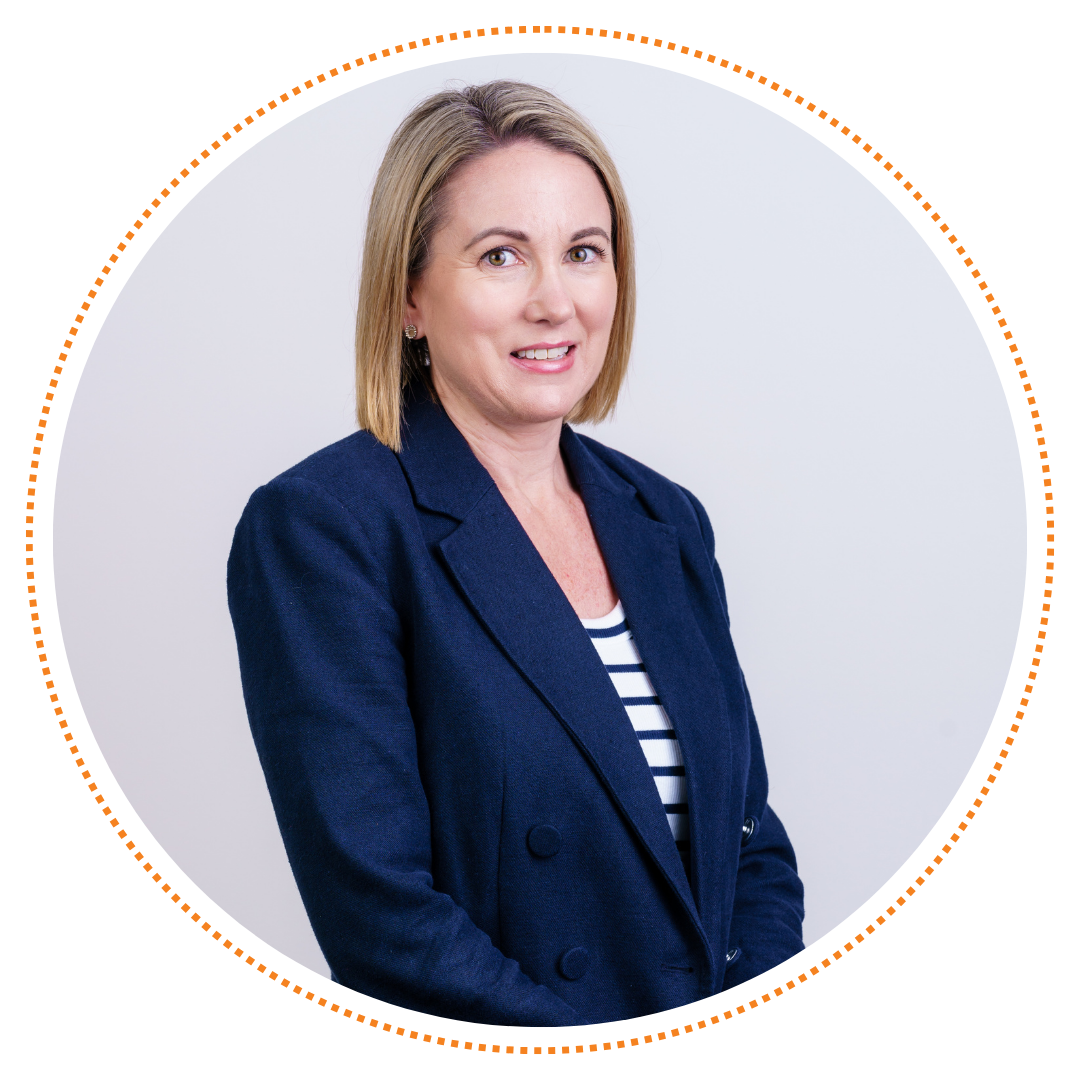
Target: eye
[(499, 257), (586, 253)]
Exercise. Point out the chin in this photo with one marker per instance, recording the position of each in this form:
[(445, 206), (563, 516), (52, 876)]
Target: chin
[(542, 408), (542, 399)]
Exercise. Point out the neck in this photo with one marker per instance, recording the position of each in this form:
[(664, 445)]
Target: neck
[(522, 458)]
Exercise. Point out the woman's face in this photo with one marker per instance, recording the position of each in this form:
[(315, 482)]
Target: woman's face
[(518, 295)]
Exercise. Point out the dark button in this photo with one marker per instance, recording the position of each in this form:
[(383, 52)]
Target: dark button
[(749, 827), (544, 841), (574, 963), (733, 954)]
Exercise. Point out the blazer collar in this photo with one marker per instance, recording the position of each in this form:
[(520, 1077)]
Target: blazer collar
[(444, 473)]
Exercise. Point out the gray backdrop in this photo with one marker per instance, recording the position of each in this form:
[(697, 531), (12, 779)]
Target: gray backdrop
[(803, 364)]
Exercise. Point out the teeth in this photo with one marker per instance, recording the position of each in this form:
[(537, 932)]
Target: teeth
[(543, 354)]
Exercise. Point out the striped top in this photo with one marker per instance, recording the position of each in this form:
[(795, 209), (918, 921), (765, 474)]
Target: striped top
[(613, 641)]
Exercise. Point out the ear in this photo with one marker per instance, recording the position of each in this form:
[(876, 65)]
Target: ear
[(413, 309)]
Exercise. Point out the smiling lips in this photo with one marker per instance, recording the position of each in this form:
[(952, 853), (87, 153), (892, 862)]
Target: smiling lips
[(554, 353)]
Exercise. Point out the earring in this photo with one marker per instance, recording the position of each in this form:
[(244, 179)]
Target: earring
[(410, 331)]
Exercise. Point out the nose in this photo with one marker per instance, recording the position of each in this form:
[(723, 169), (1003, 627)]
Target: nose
[(549, 299)]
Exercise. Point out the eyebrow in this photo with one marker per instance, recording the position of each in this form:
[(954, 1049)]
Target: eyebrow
[(498, 230), (592, 230), (517, 234)]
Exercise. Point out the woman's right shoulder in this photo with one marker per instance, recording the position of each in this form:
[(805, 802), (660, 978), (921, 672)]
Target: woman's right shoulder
[(358, 472), (337, 529)]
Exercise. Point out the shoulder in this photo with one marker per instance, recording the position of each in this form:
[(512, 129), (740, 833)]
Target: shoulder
[(662, 498), (342, 515), (348, 501), (358, 466), (358, 473)]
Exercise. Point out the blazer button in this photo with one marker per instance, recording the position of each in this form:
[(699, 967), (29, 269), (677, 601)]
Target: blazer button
[(733, 954), (574, 963), (544, 841), (749, 827)]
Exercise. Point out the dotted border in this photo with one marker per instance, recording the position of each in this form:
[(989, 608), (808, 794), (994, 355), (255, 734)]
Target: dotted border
[(39, 439)]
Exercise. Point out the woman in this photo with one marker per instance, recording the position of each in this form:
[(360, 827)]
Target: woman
[(486, 660)]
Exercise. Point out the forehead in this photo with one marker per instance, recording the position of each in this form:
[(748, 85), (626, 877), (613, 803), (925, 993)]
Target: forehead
[(526, 184)]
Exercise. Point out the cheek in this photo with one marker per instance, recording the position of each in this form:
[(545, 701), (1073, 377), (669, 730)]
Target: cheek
[(474, 313), (597, 305)]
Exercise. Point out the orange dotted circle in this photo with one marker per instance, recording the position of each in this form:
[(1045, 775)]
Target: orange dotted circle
[(760, 81)]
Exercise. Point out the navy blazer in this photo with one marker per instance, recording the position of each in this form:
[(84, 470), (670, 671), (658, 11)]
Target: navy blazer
[(423, 697)]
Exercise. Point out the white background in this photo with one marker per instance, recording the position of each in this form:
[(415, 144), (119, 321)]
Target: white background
[(103, 975)]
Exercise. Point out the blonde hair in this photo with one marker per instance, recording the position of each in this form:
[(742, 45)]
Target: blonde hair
[(437, 137)]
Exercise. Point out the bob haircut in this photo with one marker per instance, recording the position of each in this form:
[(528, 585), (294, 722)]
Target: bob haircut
[(440, 135)]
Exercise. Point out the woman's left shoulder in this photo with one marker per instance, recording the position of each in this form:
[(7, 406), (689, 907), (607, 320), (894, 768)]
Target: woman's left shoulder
[(664, 499)]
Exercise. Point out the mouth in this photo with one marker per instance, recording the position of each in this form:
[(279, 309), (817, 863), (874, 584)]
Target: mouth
[(553, 352), (545, 358)]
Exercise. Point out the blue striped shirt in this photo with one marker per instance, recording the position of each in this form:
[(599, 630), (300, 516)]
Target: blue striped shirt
[(615, 644)]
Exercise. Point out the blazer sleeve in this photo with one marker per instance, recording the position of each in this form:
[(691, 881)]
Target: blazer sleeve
[(766, 924), (325, 684)]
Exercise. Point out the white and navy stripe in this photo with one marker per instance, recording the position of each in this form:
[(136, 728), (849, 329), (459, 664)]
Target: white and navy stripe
[(619, 653)]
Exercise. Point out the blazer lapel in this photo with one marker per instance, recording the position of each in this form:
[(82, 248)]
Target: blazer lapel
[(516, 598), (645, 562)]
